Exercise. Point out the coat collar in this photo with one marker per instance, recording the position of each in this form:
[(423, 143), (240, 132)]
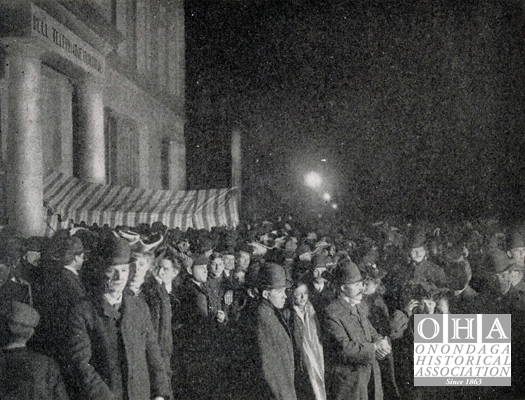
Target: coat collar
[(345, 306), (110, 311), (279, 315)]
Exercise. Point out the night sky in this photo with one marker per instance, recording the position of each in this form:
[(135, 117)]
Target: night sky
[(416, 106)]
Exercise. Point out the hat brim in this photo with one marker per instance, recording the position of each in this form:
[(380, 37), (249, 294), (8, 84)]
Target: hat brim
[(510, 267), (516, 267), (287, 284)]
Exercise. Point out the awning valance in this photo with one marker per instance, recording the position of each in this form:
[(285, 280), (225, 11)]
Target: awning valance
[(68, 200)]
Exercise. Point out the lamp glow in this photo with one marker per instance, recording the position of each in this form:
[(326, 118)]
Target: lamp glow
[(313, 179), (326, 196)]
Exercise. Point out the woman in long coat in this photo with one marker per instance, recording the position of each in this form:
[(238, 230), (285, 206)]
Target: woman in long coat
[(308, 351)]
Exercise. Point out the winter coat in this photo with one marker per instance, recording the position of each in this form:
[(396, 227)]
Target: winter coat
[(159, 302), (200, 374), (269, 361), (308, 353), (54, 297), (113, 352), (349, 352), (26, 375)]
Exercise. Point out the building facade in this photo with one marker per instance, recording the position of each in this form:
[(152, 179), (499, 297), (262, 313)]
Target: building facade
[(92, 89)]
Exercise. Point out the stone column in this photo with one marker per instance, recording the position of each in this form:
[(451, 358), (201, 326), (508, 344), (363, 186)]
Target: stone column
[(177, 165), (90, 146), (237, 163), (25, 188)]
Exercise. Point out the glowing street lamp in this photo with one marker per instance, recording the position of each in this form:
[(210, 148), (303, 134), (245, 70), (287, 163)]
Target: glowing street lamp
[(334, 206), (313, 179), (326, 196)]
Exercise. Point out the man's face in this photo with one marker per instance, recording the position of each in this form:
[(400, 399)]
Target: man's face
[(117, 277), (300, 295), (370, 285), (354, 291), (200, 273), (502, 281), (141, 265), (518, 253), (166, 272), (425, 306), (183, 246), (216, 268), (417, 254), (276, 296), (243, 260), (229, 263)]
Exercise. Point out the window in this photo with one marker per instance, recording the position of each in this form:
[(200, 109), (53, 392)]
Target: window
[(122, 150)]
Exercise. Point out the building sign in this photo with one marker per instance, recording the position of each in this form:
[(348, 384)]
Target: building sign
[(66, 42), (462, 350)]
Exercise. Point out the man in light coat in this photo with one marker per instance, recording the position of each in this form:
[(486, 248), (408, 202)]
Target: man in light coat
[(353, 346)]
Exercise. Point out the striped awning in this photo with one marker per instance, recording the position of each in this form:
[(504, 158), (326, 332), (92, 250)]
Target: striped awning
[(68, 200)]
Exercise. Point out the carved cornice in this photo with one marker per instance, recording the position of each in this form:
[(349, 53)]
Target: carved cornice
[(76, 15)]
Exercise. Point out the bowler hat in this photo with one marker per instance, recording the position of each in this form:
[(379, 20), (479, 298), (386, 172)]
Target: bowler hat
[(500, 261), (271, 276), (20, 313), (418, 238), (198, 259), (346, 273), (115, 251)]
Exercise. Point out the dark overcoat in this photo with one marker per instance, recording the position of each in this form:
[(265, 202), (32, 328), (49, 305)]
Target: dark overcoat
[(27, 375), (158, 300), (269, 363), (113, 351), (349, 352), (197, 336)]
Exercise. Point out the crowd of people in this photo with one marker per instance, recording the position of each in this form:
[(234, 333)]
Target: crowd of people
[(269, 309)]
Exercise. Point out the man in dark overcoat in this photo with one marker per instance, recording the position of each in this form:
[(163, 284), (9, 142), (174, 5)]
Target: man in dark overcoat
[(25, 374), (268, 359), (352, 345), (198, 335), (112, 351), (60, 289)]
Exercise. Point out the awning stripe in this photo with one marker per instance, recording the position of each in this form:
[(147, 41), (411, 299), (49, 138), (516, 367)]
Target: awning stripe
[(69, 200)]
